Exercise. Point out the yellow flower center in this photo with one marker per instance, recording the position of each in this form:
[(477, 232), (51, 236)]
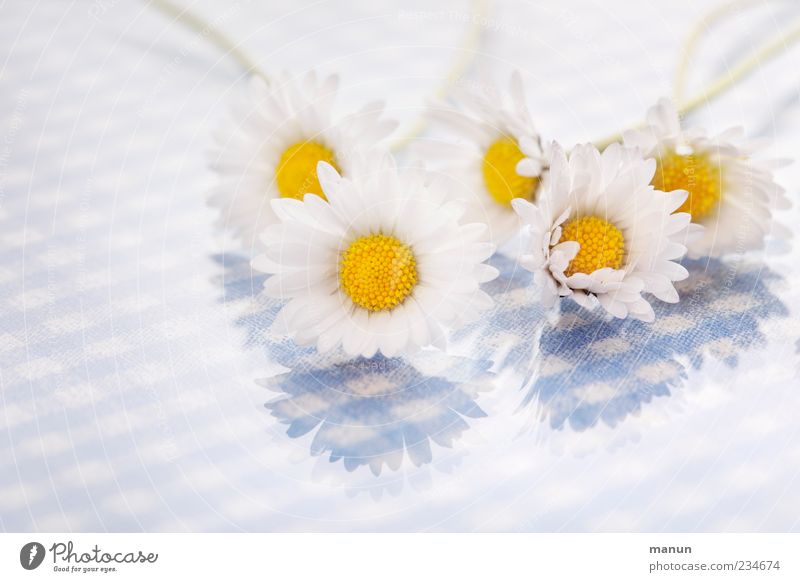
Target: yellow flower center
[(296, 175), (696, 174), (377, 272), (500, 173), (602, 244)]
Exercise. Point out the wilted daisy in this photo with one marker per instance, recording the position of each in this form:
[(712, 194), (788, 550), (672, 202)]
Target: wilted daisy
[(600, 233), (271, 146), (384, 264), (498, 156), (730, 194)]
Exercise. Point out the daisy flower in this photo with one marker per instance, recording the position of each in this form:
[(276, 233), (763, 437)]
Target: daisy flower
[(499, 155), (271, 146), (382, 264), (730, 194), (600, 233)]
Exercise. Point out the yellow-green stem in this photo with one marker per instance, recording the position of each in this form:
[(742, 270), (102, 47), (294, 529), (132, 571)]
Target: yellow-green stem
[(728, 79), (208, 30)]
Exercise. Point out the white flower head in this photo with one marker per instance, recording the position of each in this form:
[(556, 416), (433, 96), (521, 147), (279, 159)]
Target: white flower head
[(271, 146), (600, 233), (730, 193), (385, 264), (498, 156)]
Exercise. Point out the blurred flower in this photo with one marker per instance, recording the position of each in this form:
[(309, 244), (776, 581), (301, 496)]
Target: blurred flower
[(731, 194), (601, 234), (271, 146), (383, 264), (498, 158)]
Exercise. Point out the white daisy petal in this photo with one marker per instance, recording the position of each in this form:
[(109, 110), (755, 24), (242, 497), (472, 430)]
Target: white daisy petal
[(485, 273), (389, 273), (396, 334), (724, 183), (585, 300), (675, 199), (499, 159), (264, 264), (417, 325), (438, 337), (588, 242), (270, 147), (329, 338), (642, 311), (614, 306), (531, 147), (355, 333), (529, 167)]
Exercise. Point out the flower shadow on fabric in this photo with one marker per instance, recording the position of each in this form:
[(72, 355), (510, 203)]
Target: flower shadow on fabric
[(376, 412), (592, 369), (582, 367)]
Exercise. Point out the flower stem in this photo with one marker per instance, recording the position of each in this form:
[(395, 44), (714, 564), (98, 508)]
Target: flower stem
[(700, 29), (727, 80), (742, 70), (465, 56), (207, 29)]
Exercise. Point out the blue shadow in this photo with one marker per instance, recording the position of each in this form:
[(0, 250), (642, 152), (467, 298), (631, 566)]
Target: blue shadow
[(592, 369), (581, 368), (377, 412)]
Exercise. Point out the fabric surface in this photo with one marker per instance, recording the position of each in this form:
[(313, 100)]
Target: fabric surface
[(140, 392)]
